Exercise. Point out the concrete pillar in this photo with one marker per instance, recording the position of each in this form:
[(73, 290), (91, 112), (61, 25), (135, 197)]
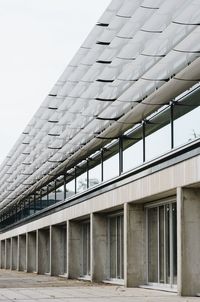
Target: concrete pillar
[(21, 253), (98, 247), (3, 253), (58, 250), (188, 245), (134, 245), (8, 253), (43, 251), (74, 249), (31, 252), (14, 252)]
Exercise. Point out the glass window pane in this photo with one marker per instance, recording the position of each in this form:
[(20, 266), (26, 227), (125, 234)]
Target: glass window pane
[(70, 188), (174, 232), (44, 201), (120, 247), (187, 127), (51, 193), (86, 248), (167, 242), (116, 247), (157, 143), (81, 182), (111, 167), (133, 156), (52, 197), (60, 193), (95, 176), (161, 244), (113, 250), (153, 245)]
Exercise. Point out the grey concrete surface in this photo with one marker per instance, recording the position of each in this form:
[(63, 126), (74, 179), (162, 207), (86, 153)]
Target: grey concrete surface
[(22, 287)]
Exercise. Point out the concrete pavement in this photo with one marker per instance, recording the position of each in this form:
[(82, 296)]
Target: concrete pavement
[(22, 287)]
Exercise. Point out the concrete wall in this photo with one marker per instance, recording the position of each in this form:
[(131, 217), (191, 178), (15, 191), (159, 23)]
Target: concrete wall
[(134, 245), (74, 261), (58, 257), (43, 251), (31, 252), (98, 247), (21, 253), (188, 214)]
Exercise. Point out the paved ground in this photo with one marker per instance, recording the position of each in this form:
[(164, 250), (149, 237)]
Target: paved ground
[(22, 287)]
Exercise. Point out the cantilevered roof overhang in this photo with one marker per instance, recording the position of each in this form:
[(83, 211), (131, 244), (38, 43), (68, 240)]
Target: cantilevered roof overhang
[(140, 55)]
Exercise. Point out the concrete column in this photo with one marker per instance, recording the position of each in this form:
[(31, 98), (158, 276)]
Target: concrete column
[(3, 253), (134, 245), (43, 251), (58, 254), (188, 245), (31, 252), (14, 252), (74, 249), (21, 253), (8, 253), (98, 247)]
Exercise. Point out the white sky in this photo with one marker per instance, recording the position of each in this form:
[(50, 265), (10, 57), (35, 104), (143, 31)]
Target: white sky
[(38, 38)]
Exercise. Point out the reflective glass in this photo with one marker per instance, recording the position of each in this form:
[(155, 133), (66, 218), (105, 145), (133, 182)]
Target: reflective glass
[(81, 182), (153, 244), (174, 226), (113, 250), (162, 253), (167, 242), (157, 143), (116, 247), (133, 156), (111, 167), (52, 197), (161, 244), (95, 176), (60, 193), (86, 249), (70, 188), (44, 201), (187, 127)]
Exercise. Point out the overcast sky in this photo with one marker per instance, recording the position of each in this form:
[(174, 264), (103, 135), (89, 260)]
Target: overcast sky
[(38, 39)]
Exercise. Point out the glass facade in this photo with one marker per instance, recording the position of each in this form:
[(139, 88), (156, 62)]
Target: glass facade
[(70, 188), (157, 143), (116, 247), (111, 167), (86, 249), (133, 156), (94, 176), (187, 126), (162, 244), (81, 183)]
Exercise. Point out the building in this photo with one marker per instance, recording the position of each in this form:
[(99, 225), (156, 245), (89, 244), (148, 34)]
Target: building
[(103, 184)]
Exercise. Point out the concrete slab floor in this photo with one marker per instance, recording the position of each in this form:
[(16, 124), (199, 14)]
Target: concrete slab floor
[(23, 287)]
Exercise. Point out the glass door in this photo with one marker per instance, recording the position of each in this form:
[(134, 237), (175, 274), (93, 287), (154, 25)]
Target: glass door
[(116, 247), (86, 249), (162, 244)]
